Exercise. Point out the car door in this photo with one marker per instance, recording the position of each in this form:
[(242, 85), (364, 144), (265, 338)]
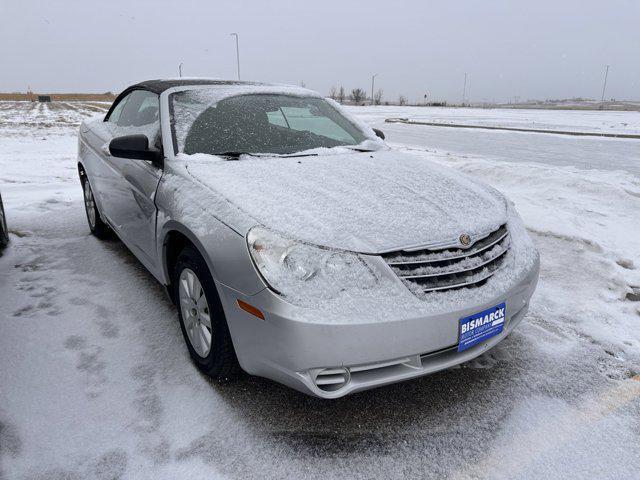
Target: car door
[(131, 183), (97, 163)]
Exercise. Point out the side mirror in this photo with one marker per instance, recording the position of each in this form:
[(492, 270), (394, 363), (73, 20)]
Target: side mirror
[(378, 133), (133, 146)]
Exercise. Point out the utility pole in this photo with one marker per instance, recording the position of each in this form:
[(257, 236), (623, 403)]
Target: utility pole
[(604, 87), (180, 69), (237, 53), (464, 89), (373, 78)]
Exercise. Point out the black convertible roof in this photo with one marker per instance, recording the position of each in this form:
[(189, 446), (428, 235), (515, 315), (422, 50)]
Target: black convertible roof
[(159, 86)]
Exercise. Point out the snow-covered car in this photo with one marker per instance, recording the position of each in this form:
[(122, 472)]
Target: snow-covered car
[(4, 231), (295, 243)]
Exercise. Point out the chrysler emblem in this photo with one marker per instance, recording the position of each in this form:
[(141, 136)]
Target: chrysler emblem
[(465, 240)]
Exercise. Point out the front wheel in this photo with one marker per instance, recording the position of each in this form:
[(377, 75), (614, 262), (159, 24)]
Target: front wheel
[(202, 318), (99, 228)]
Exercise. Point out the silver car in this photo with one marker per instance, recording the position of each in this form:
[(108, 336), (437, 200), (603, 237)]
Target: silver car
[(295, 243)]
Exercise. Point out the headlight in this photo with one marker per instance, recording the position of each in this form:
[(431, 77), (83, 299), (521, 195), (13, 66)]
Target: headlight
[(300, 270)]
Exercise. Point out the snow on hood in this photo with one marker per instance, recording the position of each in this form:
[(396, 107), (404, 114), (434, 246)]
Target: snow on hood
[(363, 202)]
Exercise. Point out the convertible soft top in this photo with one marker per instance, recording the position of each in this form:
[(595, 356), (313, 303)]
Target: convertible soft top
[(159, 86)]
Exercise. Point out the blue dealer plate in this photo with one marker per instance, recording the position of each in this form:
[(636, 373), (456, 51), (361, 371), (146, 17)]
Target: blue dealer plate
[(480, 326)]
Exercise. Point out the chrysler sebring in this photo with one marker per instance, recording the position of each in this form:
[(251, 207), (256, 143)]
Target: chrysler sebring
[(295, 243)]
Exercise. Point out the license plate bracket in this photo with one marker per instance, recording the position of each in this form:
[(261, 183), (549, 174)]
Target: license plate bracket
[(481, 326)]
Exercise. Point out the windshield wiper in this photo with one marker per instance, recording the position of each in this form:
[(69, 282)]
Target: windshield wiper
[(286, 155), (233, 155), (355, 149)]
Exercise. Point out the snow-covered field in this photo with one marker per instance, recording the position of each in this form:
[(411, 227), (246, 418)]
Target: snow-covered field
[(95, 380)]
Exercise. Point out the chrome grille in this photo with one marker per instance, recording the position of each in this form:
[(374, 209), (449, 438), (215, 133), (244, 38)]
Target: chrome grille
[(432, 270)]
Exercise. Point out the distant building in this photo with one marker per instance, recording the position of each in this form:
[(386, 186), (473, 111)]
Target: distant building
[(44, 98)]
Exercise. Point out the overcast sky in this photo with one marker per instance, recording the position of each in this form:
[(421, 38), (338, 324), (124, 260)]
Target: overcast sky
[(531, 49)]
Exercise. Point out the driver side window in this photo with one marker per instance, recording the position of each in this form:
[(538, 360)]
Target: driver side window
[(117, 111), (138, 112), (141, 109)]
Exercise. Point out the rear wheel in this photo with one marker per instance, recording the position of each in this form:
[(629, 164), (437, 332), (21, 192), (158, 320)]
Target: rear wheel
[(202, 319), (99, 228), (4, 231)]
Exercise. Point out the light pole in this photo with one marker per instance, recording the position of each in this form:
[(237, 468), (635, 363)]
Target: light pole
[(604, 87), (237, 53), (373, 78), (464, 89), (180, 69)]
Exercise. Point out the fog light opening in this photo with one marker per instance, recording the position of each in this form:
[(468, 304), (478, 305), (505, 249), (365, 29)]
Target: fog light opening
[(332, 379)]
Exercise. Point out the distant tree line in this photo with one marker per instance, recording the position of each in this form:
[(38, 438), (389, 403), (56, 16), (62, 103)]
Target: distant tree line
[(359, 96)]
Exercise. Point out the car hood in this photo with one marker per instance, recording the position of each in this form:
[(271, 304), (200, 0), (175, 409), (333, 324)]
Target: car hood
[(369, 202)]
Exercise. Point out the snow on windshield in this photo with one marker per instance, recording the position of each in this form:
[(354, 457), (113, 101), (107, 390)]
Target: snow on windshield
[(268, 120)]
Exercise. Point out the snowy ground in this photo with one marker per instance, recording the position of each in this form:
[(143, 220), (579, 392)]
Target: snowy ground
[(592, 121), (584, 152), (96, 382)]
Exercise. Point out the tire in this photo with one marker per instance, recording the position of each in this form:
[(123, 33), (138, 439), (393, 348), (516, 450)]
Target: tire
[(98, 228), (218, 359), (4, 231)]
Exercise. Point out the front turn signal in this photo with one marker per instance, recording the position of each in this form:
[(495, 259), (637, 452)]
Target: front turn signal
[(250, 309)]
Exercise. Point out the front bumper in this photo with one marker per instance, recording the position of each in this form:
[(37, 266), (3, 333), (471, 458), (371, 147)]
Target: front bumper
[(288, 349)]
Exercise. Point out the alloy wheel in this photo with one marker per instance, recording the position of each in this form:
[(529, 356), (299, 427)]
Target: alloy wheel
[(89, 204), (195, 312)]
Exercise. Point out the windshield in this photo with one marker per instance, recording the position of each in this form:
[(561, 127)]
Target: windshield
[(258, 123)]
